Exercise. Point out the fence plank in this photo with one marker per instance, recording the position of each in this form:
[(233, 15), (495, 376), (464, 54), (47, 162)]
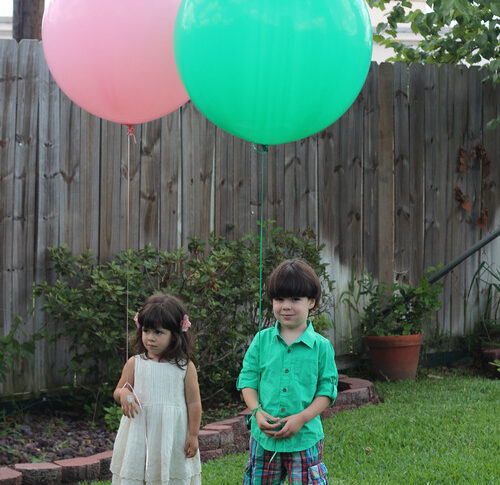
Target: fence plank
[(435, 173), (301, 194), (447, 199), (8, 97), (472, 76), (274, 184), (149, 201), (69, 149), (460, 215), (224, 184), (349, 206), (198, 152), (419, 141), (405, 159), (300, 185), (385, 172), (370, 163), (89, 169), (24, 184), (328, 195), (110, 208), (170, 205), (50, 185), (490, 180)]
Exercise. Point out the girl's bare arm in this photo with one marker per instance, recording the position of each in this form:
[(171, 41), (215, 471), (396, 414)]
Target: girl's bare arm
[(123, 394), (193, 403)]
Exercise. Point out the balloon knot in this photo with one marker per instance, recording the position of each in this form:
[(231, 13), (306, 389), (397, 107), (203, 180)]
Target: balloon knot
[(130, 132), (263, 149)]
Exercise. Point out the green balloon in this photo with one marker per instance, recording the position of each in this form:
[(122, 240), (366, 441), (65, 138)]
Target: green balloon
[(273, 71)]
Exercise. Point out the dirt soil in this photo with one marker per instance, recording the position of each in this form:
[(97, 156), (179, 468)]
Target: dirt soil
[(41, 437), (44, 433)]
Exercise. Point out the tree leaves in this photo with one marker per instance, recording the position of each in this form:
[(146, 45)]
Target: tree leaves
[(454, 31)]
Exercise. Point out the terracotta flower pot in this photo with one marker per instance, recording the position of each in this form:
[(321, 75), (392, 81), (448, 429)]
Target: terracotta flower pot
[(395, 357)]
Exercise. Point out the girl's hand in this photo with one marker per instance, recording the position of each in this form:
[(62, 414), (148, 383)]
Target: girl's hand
[(267, 423), (129, 406), (191, 446), (292, 425)]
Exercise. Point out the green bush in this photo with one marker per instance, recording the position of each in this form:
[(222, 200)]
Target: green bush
[(218, 281), (113, 415), (11, 350)]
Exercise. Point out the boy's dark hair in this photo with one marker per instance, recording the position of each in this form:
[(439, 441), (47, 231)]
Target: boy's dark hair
[(166, 311), (294, 277)]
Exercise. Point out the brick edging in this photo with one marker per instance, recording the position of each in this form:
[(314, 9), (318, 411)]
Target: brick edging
[(216, 439)]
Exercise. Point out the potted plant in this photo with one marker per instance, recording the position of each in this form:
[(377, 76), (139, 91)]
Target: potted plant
[(392, 319)]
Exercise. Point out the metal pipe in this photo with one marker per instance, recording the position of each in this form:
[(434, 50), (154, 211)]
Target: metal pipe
[(447, 268), (476, 247)]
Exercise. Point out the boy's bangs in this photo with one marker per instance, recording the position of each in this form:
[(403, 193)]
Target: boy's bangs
[(290, 287)]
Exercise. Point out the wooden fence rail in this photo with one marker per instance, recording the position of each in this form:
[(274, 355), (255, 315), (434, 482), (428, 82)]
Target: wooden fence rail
[(379, 187)]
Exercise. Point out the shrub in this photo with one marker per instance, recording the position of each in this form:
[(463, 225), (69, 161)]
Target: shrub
[(218, 281), (12, 350)]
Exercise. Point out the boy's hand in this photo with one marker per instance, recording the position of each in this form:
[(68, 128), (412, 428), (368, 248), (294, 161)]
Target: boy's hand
[(191, 446), (267, 423), (292, 425)]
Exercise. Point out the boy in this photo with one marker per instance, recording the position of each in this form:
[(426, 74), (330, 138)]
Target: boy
[(288, 378)]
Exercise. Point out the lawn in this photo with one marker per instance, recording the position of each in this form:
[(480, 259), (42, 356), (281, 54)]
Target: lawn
[(432, 431)]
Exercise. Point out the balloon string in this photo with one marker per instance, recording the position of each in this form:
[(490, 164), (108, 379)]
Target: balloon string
[(130, 134), (262, 153)]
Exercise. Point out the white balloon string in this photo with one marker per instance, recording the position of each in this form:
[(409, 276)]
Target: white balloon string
[(127, 223), (131, 134)]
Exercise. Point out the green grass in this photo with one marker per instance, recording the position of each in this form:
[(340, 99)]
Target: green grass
[(427, 432), (432, 431)]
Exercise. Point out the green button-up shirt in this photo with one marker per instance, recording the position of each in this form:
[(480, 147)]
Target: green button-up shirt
[(288, 378)]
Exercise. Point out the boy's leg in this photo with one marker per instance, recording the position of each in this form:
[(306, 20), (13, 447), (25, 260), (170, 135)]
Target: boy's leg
[(264, 467), (306, 467)]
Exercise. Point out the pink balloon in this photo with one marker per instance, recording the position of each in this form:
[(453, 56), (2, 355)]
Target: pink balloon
[(115, 58)]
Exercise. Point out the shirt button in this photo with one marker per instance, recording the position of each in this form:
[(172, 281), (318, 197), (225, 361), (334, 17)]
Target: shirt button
[(282, 410), (289, 350), (286, 371), (284, 389)]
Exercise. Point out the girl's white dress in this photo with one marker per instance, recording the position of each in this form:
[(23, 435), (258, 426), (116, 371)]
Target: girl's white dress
[(162, 422)]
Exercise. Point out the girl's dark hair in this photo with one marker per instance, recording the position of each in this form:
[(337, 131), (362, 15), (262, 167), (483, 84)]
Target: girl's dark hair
[(166, 311), (294, 277)]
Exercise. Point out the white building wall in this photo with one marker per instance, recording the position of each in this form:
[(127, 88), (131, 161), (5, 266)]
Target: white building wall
[(380, 53), (5, 27)]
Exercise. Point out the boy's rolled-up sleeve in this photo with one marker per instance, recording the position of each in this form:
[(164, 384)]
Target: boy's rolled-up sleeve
[(249, 375), (328, 375)]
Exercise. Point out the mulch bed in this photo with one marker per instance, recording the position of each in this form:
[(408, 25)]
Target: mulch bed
[(43, 433), (42, 437)]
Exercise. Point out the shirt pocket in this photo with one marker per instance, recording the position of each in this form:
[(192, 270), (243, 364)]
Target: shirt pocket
[(317, 474), (306, 374)]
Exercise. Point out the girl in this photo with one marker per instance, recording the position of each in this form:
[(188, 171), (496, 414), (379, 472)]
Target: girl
[(157, 442)]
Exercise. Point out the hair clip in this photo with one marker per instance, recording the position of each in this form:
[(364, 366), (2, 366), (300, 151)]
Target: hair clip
[(185, 323), (136, 320)]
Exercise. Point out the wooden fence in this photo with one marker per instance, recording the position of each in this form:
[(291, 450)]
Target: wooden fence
[(379, 187)]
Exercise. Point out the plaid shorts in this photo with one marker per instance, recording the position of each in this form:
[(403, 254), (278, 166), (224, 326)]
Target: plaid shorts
[(301, 467)]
